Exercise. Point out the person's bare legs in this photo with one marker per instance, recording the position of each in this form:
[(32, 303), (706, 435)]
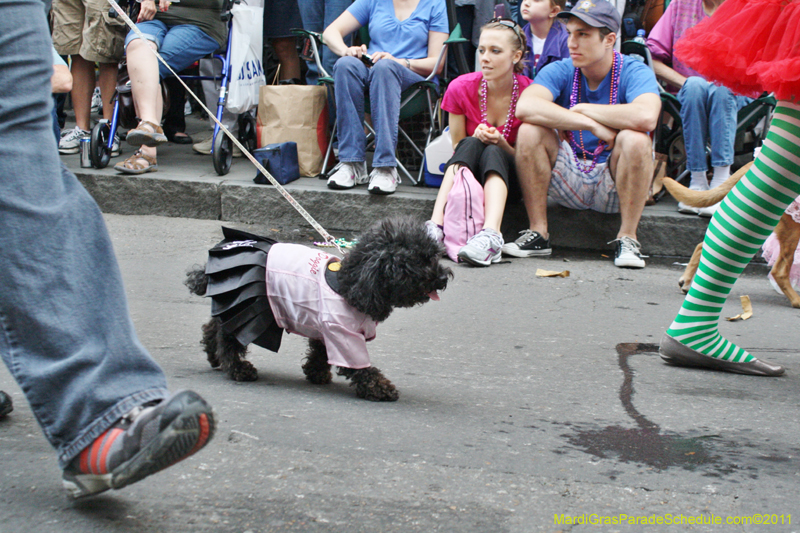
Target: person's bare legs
[(631, 164), (145, 86), (495, 193), (444, 189), (286, 50), (83, 83), (107, 80), (537, 149)]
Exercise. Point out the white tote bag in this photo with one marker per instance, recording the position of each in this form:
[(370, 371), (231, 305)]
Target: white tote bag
[(247, 72)]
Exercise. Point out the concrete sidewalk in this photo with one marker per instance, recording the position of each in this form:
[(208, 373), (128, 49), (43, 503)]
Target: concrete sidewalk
[(186, 185)]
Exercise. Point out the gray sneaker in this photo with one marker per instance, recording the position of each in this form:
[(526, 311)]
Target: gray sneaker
[(143, 442), (70, 142), (483, 248)]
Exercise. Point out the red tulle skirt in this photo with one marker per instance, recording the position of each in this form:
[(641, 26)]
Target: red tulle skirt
[(749, 46)]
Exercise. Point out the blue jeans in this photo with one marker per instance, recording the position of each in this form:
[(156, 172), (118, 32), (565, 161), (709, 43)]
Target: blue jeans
[(180, 46), (65, 332), (708, 113), (318, 15), (386, 80)]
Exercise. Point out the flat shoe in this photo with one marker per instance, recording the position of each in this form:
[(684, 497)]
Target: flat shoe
[(147, 134), (180, 138), (675, 353), (133, 166)]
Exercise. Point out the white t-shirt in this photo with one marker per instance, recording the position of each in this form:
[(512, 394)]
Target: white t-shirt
[(537, 46)]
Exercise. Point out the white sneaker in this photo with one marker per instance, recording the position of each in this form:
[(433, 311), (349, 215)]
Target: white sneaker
[(70, 142), (435, 232), (628, 253), (115, 149), (687, 209), (348, 176), (709, 211), (383, 180), (97, 101)]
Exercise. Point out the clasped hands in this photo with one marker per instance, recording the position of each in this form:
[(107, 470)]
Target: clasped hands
[(148, 9)]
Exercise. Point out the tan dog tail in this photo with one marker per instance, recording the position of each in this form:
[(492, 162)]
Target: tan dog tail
[(704, 198)]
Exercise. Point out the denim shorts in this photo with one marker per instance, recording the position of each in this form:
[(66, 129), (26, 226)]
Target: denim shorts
[(180, 46), (572, 188)]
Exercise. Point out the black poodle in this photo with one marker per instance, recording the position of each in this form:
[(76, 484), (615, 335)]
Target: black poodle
[(260, 287)]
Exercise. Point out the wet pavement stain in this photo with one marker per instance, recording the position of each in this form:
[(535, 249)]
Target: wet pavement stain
[(645, 444)]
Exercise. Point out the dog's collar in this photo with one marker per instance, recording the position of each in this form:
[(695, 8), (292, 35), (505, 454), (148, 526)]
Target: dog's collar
[(332, 276)]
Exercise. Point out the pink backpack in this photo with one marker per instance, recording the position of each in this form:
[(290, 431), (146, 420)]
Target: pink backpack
[(463, 213)]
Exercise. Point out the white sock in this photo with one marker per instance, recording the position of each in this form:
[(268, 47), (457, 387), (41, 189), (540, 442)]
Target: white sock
[(720, 175), (699, 180)]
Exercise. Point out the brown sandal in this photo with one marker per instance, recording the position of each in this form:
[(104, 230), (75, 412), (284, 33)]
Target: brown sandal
[(146, 133), (132, 165)]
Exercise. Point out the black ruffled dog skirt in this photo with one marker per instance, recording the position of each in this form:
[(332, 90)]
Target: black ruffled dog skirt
[(236, 271)]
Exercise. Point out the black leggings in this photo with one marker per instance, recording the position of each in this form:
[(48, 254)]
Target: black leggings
[(482, 159)]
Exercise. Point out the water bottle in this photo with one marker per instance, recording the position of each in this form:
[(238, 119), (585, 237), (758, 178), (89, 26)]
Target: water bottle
[(641, 40)]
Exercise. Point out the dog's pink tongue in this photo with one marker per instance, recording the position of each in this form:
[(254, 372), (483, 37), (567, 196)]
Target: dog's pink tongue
[(434, 296)]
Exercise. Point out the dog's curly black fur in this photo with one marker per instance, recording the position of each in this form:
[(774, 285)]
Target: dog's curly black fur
[(394, 264)]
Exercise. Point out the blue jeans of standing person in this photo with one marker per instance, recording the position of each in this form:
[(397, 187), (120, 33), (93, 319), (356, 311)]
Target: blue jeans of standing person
[(385, 81), (708, 113), (180, 45), (318, 15), (65, 332)]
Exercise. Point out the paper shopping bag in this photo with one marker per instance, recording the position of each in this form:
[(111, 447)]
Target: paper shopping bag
[(295, 113)]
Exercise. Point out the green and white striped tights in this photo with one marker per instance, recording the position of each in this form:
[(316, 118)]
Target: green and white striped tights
[(739, 227)]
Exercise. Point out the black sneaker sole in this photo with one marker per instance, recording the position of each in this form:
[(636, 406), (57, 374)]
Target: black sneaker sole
[(186, 434)]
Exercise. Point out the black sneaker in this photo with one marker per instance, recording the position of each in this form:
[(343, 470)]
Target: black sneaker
[(628, 253), (143, 442), (529, 243), (6, 405)]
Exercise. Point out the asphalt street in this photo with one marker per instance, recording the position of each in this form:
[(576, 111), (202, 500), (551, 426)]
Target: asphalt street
[(526, 404)]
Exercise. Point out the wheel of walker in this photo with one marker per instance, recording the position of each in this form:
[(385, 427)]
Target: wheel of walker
[(99, 152), (247, 131), (222, 153)]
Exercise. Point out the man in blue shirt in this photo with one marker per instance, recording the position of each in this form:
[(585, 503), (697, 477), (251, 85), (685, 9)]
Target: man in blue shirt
[(584, 142)]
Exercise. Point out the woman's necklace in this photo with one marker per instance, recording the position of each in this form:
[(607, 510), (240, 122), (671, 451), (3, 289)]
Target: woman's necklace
[(575, 98), (512, 105)]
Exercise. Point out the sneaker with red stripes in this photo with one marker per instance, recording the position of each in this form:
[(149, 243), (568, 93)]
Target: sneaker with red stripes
[(143, 442)]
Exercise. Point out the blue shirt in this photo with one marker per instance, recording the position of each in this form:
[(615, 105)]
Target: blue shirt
[(635, 80), (406, 39)]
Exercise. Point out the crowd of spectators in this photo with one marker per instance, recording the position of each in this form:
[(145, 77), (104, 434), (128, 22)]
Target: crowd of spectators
[(552, 113)]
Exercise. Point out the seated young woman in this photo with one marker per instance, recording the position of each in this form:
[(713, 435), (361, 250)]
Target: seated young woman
[(182, 34), (406, 37), (483, 128)]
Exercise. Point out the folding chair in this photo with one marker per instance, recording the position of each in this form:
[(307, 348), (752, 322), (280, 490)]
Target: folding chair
[(422, 97)]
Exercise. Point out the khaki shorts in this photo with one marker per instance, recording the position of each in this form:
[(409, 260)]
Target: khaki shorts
[(83, 27)]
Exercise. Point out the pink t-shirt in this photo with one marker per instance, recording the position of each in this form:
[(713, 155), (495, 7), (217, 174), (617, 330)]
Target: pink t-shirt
[(463, 98), (303, 303)]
